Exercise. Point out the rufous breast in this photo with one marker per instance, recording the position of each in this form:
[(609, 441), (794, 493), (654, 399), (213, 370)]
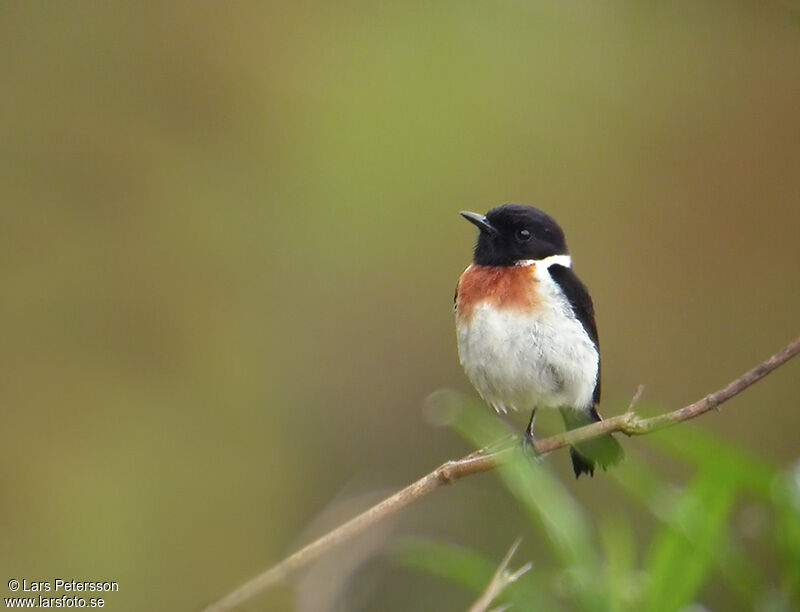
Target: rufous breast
[(511, 287)]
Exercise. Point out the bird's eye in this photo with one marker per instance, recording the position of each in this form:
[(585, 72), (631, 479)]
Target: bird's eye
[(523, 235)]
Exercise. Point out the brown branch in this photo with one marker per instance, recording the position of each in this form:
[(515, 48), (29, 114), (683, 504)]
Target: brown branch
[(481, 461)]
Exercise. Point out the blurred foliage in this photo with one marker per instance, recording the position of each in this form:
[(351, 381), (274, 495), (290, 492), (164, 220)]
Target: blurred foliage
[(599, 564), (229, 241)]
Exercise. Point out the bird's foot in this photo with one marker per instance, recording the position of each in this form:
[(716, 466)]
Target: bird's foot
[(529, 446)]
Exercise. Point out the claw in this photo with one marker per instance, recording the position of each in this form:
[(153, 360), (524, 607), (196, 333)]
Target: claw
[(528, 444), (529, 440)]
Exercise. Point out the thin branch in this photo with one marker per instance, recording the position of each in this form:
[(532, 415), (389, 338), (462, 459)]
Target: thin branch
[(636, 397), (500, 580), (481, 461)]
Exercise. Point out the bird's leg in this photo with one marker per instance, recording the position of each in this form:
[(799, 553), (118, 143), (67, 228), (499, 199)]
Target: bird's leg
[(529, 440)]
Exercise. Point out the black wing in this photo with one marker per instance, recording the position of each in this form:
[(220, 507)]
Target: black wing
[(581, 302)]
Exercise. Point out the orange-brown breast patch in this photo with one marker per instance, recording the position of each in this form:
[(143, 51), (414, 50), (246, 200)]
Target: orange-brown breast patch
[(504, 287)]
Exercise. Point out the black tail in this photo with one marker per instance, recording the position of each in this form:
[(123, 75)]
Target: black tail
[(604, 451)]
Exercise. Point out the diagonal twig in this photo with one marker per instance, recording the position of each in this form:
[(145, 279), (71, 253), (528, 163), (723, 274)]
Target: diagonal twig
[(500, 580)]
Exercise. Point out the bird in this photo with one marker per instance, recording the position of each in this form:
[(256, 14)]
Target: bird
[(525, 327)]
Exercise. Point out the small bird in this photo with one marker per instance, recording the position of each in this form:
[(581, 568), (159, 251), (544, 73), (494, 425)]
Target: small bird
[(527, 338)]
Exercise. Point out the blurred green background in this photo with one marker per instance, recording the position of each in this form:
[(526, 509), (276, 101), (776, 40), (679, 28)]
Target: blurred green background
[(230, 238)]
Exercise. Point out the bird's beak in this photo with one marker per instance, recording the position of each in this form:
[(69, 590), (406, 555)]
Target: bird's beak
[(479, 220)]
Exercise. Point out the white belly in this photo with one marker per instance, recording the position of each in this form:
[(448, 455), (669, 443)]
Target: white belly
[(524, 360)]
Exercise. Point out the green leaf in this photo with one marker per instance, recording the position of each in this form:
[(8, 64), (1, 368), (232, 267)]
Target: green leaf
[(685, 549), (646, 486), (625, 582), (699, 448), (453, 563), (550, 504), (786, 494)]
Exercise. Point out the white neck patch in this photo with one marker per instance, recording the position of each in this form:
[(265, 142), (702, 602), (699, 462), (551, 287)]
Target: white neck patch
[(561, 260)]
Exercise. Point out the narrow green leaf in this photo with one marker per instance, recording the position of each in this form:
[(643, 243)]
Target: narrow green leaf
[(685, 549), (456, 564), (691, 444), (647, 487), (625, 582), (786, 494)]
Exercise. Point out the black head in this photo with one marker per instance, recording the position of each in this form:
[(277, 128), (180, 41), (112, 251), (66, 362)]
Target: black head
[(512, 232)]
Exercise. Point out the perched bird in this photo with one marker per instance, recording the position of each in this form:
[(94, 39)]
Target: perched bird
[(525, 324)]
